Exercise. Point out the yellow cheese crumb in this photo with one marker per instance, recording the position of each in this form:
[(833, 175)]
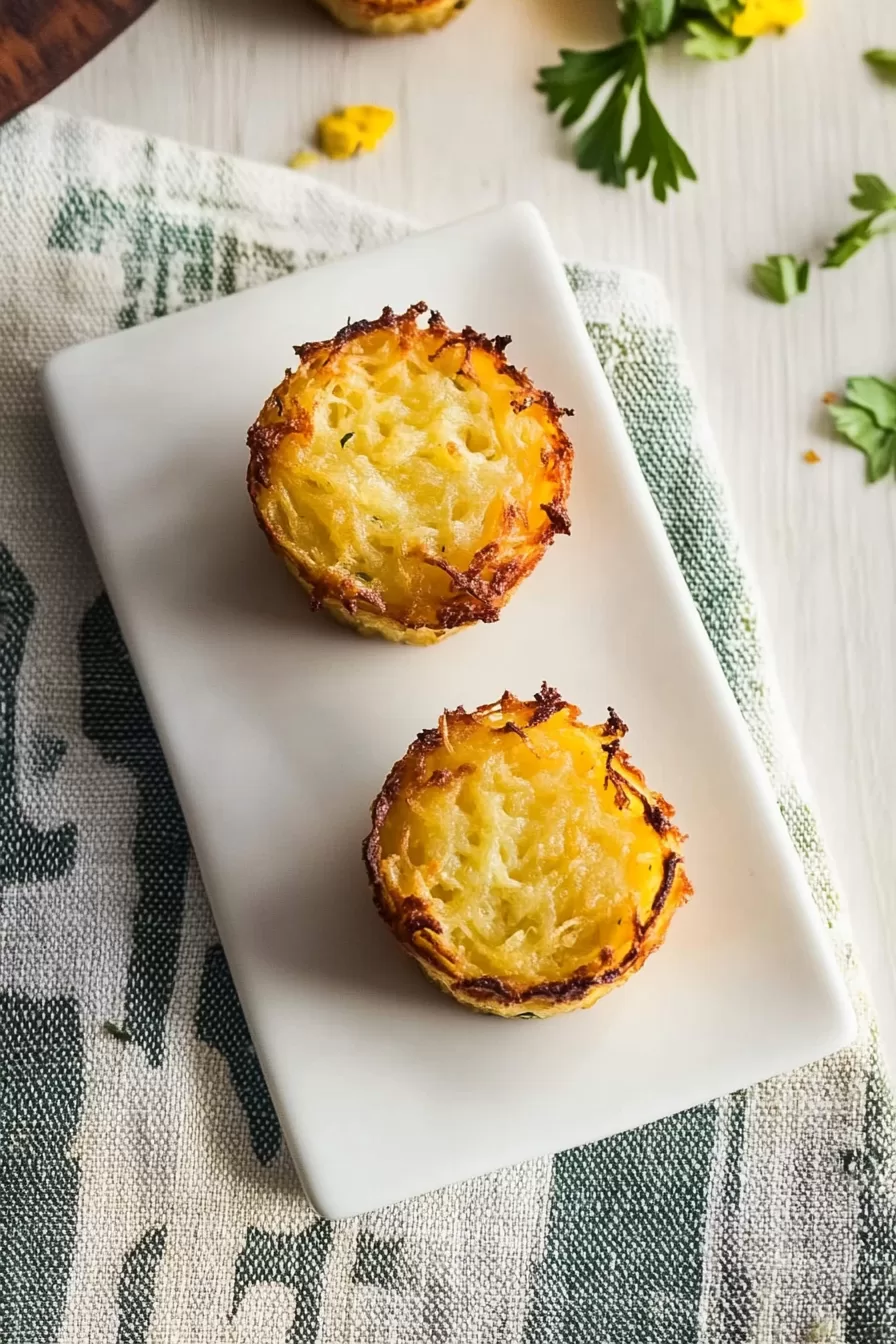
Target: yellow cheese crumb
[(811, 456), (372, 122), (354, 130), (303, 158), (759, 17)]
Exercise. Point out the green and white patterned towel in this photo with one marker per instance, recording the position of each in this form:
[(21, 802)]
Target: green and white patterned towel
[(144, 1189)]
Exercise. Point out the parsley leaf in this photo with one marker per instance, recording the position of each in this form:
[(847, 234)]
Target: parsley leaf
[(708, 42), (847, 243), (875, 395), (724, 11), (653, 144), (867, 420), (883, 61), (872, 194), (600, 146), (579, 77), (652, 18), (781, 277)]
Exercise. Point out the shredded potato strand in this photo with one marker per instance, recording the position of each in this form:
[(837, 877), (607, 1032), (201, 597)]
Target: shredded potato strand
[(436, 455), (530, 864)]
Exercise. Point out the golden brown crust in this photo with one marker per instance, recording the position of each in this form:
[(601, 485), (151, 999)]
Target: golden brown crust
[(477, 589), (394, 16), (416, 925)]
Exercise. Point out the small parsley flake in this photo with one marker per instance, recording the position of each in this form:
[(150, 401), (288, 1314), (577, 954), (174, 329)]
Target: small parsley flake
[(883, 61), (119, 1033), (781, 277)]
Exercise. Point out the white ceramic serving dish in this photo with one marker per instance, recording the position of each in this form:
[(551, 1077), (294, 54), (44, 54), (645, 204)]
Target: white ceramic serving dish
[(279, 728)]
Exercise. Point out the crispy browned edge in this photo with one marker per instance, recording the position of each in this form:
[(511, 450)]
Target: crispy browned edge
[(414, 917), (376, 9), (474, 598)]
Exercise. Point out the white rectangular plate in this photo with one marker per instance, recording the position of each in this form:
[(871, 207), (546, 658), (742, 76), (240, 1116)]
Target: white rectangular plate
[(279, 728)]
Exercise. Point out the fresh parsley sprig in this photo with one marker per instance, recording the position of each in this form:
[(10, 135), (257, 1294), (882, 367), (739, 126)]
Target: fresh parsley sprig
[(866, 418), (873, 196), (620, 74), (600, 146)]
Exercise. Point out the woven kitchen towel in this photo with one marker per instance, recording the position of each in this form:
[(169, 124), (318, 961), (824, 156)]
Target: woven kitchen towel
[(144, 1188)]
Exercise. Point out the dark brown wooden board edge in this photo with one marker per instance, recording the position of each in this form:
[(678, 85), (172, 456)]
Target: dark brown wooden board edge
[(43, 42)]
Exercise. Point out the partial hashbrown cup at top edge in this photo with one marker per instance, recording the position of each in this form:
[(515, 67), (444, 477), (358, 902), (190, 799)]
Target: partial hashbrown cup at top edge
[(521, 858), (389, 18), (410, 477)]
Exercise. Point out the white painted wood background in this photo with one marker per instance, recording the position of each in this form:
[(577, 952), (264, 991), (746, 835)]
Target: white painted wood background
[(775, 138)]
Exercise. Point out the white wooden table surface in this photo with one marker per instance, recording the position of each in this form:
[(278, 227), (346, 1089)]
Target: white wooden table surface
[(775, 138)]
